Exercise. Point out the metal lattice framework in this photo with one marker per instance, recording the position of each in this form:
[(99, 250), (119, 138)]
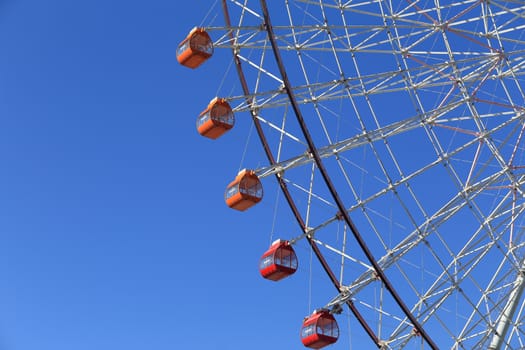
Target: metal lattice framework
[(395, 129)]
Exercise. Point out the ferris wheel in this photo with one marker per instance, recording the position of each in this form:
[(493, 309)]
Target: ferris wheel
[(395, 131)]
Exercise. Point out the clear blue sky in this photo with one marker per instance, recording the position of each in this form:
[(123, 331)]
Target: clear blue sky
[(113, 230)]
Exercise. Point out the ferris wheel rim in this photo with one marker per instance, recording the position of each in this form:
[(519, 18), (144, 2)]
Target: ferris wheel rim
[(285, 191), (341, 207)]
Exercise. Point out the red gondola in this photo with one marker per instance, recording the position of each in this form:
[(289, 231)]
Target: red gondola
[(244, 192), (278, 262), (319, 330), (195, 49), (216, 119)]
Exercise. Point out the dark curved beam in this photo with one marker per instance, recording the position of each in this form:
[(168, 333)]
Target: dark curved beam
[(284, 187), (331, 187)]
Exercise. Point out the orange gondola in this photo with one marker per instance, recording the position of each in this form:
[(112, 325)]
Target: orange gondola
[(278, 262), (319, 330), (216, 119), (195, 49), (245, 191)]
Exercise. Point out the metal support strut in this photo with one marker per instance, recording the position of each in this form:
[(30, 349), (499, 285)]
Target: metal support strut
[(506, 316)]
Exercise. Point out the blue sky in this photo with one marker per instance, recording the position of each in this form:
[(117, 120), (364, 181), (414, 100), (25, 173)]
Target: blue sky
[(113, 230), (114, 234)]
